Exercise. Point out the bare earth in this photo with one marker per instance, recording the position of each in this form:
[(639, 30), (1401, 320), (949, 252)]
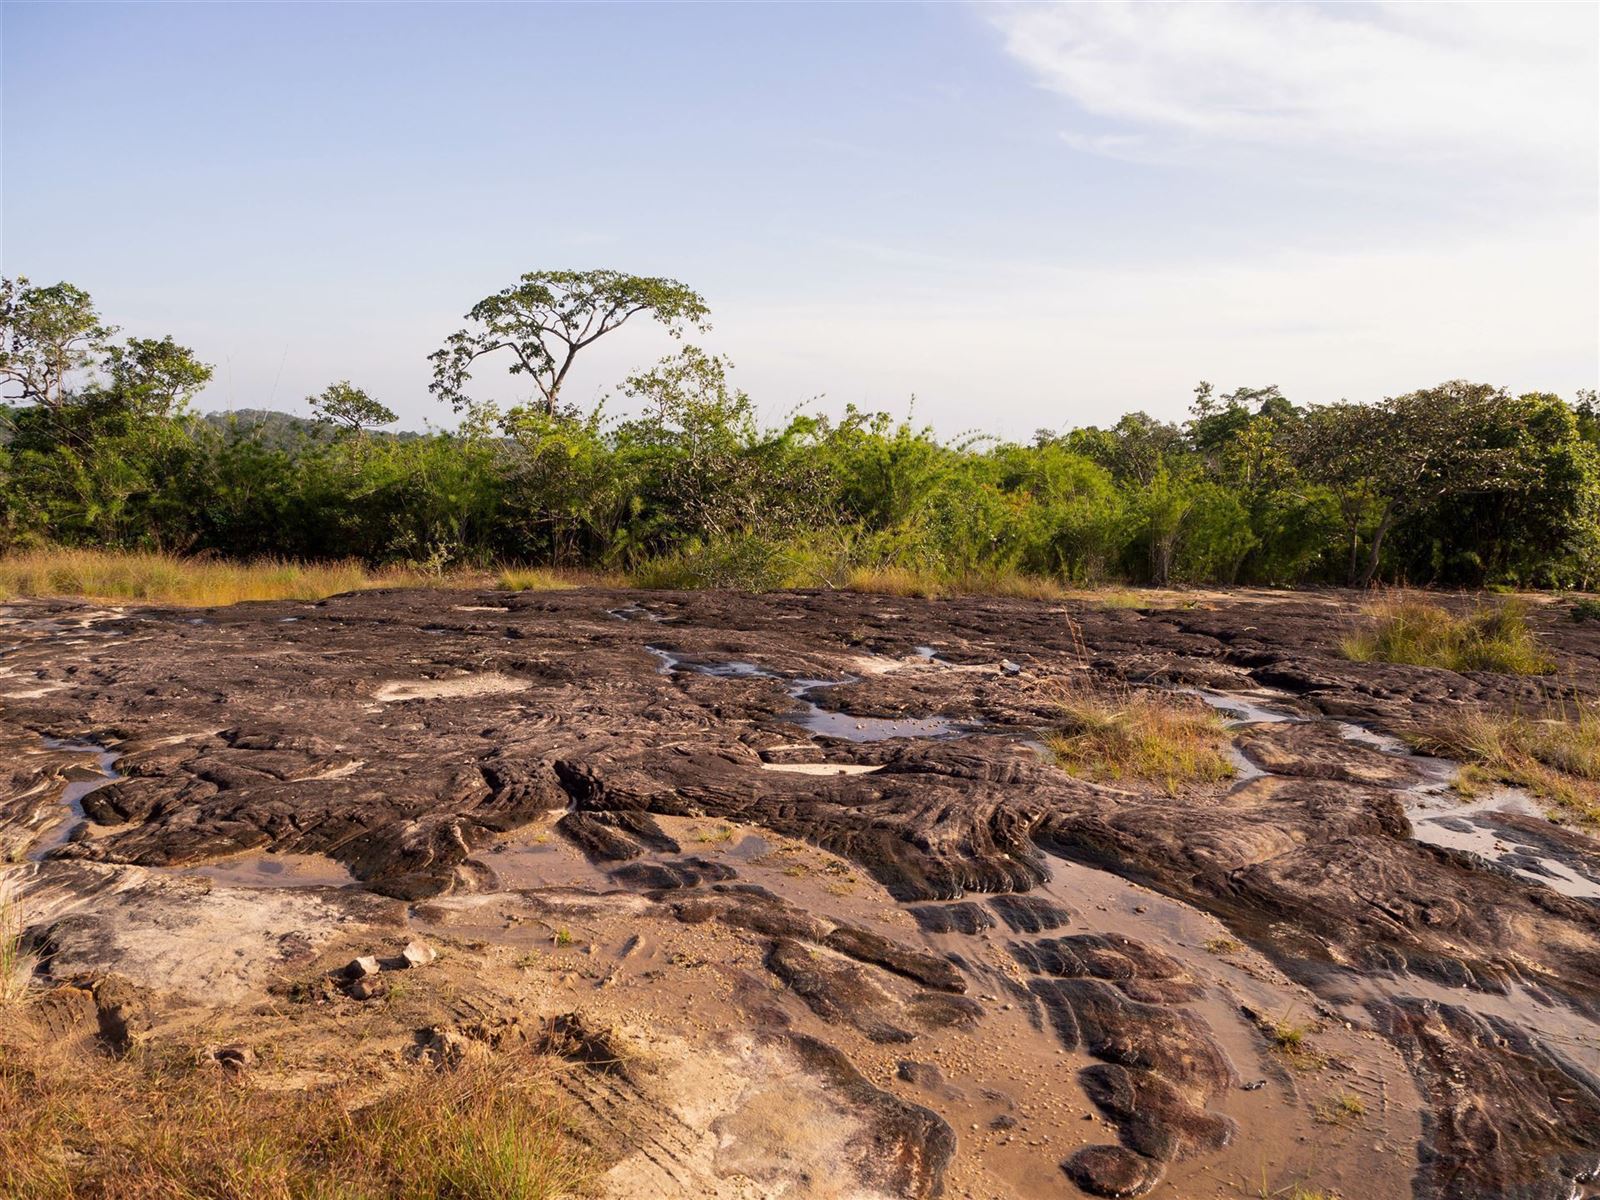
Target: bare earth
[(792, 884)]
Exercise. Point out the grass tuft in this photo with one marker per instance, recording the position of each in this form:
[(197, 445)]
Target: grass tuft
[(1343, 1109), (533, 579), (142, 1130), (1290, 1040), (16, 964), (1404, 628), (1554, 755), (1146, 736)]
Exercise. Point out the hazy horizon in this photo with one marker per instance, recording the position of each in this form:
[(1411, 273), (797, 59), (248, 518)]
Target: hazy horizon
[(1026, 216)]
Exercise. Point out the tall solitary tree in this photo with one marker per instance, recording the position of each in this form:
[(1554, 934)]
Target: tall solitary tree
[(46, 334), (547, 317), (349, 407)]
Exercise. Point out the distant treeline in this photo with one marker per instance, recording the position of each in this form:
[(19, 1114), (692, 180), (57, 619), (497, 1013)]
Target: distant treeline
[(1461, 484)]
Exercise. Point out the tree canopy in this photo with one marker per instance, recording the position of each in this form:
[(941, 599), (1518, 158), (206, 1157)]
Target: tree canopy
[(349, 407), (545, 319), (676, 475)]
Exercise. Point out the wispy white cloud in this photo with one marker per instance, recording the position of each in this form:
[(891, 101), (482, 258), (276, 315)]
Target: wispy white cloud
[(1492, 86)]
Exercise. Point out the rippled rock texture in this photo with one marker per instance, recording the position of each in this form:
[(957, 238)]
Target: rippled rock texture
[(428, 746)]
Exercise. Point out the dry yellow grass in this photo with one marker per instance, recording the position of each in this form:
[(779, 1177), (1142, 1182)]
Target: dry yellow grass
[(1404, 628), (1124, 597), (904, 581), (154, 578), (168, 579), (145, 1130), (1118, 734), (555, 579), (1555, 755), (16, 964)]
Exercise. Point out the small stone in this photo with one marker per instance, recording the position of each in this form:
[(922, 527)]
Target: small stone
[(921, 1074), (365, 988), (234, 1058), (418, 954), (360, 968)]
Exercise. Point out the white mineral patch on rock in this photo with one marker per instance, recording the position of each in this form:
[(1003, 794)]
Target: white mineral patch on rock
[(821, 768), (446, 689)]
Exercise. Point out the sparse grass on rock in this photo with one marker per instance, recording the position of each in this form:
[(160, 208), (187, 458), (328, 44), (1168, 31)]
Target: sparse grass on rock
[(1404, 628), (1290, 1040), (1119, 735), (903, 581), (16, 964), (535, 579), (1555, 754), (139, 1129), (154, 578), (1343, 1109)]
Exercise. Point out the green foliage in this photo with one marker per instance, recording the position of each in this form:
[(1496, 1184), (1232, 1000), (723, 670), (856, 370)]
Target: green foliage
[(350, 407), (547, 317), (1491, 637), (1462, 484), (1585, 609), (47, 334)]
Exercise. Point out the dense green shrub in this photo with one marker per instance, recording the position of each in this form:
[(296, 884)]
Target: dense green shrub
[(1462, 484)]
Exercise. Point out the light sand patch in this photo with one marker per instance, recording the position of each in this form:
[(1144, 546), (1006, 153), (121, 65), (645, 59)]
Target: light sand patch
[(173, 932), (479, 608), (342, 772), (43, 689), (743, 1121), (821, 768), (874, 664), (448, 689)]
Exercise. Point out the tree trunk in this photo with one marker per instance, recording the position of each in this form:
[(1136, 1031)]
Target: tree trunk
[(1377, 547)]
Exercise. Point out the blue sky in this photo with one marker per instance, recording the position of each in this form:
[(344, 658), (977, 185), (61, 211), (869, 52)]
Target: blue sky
[(1024, 216)]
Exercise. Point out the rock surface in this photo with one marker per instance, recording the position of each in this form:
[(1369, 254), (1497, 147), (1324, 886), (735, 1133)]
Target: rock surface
[(649, 803)]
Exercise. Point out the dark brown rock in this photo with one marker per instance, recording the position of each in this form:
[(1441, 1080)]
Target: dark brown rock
[(836, 989), (1030, 914), (1509, 1117), (1113, 1171)]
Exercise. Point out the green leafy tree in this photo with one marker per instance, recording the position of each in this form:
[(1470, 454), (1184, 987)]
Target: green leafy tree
[(348, 407), (47, 334), (548, 317), (1388, 461)]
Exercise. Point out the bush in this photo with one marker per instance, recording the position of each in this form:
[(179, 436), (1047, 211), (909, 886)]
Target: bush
[(1555, 754), (1145, 736), (1492, 637), (1585, 610)]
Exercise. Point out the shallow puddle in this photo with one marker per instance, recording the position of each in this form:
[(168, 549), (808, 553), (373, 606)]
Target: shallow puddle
[(1504, 831), (812, 716), (635, 612), (72, 793), (1498, 828), (1242, 709), (264, 870)]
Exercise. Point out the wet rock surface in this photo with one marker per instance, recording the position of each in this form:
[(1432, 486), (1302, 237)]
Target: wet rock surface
[(815, 834)]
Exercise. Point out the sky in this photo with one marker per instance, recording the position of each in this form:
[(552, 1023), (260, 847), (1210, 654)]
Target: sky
[(996, 217)]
